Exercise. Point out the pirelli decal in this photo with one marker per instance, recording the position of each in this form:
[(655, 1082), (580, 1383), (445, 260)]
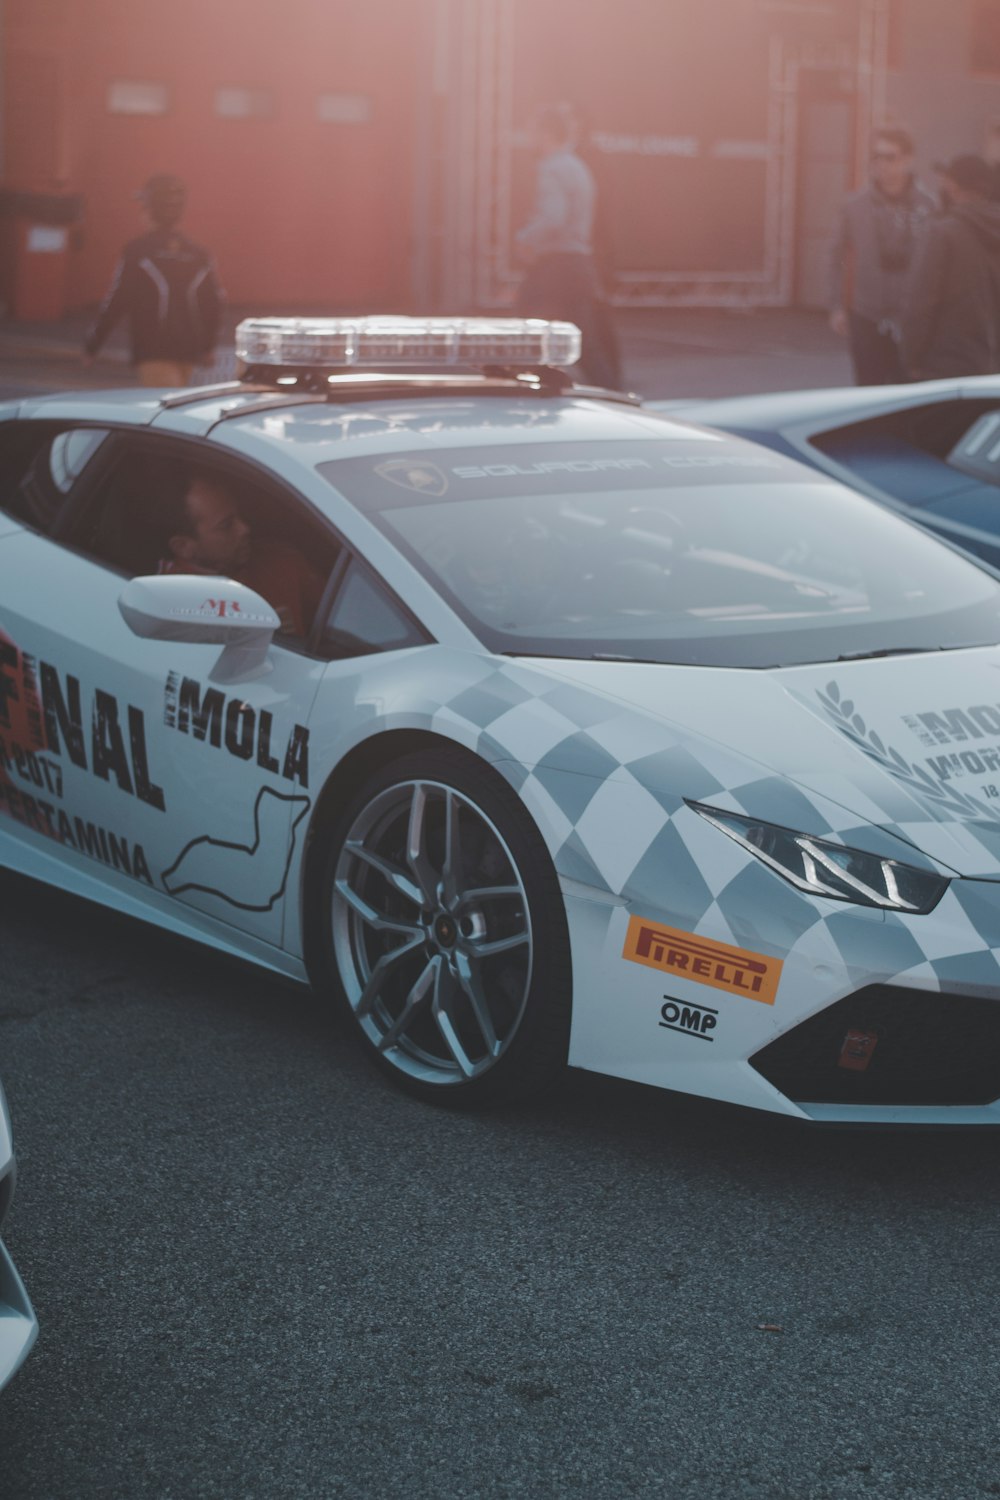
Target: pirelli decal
[(753, 975)]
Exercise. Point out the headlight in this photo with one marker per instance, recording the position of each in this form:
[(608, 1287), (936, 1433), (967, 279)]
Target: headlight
[(825, 869)]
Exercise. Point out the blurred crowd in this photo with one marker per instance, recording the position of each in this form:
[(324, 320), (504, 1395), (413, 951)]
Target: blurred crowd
[(915, 275)]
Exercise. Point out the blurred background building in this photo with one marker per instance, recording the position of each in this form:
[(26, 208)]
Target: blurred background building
[(372, 154)]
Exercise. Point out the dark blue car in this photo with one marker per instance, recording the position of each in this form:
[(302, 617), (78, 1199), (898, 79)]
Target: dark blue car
[(930, 450)]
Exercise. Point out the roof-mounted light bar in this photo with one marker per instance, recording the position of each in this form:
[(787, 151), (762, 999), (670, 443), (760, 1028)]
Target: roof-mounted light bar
[(332, 345)]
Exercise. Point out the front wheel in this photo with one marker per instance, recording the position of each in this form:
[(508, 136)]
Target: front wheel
[(445, 931)]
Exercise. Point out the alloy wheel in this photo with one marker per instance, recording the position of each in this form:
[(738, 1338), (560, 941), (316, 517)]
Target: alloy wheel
[(432, 932)]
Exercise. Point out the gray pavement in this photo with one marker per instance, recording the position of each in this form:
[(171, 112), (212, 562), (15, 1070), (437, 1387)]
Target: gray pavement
[(260, 1272), (694, 353)]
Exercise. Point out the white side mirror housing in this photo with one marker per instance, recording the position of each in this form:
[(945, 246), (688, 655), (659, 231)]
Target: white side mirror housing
[(203, 610)]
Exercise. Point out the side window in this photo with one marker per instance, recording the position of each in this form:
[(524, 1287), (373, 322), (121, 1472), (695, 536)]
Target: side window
[(163, 508), (39, 466), (115, 523), (366, 618)]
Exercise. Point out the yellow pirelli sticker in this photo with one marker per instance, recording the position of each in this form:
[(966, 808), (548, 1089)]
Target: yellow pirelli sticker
[(753, 975)]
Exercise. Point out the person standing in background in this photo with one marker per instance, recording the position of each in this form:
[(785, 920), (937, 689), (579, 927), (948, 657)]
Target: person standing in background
[(951, 316), (603, 246), (991, 156), (165, 285), (556, 243), (871, 256)]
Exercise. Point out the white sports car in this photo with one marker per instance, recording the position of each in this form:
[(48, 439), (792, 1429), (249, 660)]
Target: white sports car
[(533, 726), (18, 1327)]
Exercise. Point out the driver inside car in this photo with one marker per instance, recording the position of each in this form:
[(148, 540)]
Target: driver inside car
[(204, 531)]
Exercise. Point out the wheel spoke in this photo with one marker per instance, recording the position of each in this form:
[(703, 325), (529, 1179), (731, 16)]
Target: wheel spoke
[(451, 873), (471, 980), (416, 847), (419, 994), (490, 893), (498, 945), (377, 920), (398, 879), (382, 971), (447, 1029)]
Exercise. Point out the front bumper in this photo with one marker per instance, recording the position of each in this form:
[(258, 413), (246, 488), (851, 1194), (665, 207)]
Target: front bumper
[(18, 1325), (889, 1045), (877, 1018)]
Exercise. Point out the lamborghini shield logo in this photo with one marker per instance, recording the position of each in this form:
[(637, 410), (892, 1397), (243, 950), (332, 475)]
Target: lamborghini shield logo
[(414, 474)]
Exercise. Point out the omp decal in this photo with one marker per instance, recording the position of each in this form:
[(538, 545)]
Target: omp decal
[(235, 725), (735, 970), (243, 875), (693, 1020), (46, 700)]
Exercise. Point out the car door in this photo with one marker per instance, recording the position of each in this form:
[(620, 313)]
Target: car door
[(165, 773), (40, 462)]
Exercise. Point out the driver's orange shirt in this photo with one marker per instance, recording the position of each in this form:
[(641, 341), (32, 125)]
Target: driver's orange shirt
[(278, 574), (291, 587)]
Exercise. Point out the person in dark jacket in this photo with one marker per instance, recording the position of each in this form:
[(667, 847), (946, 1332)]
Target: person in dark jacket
[(871, 255), (951, 316), (165, 285)]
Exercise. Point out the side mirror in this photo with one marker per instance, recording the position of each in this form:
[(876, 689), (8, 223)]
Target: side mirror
[(203, 610)]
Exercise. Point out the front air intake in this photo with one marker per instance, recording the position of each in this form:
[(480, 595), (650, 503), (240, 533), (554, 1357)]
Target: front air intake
[(886, 1045)]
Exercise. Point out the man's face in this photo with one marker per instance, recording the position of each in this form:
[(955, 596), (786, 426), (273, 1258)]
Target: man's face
[(219, 538), (891, 167)]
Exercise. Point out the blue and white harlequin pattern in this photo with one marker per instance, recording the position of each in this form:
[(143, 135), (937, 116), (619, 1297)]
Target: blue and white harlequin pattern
[(607, 785)]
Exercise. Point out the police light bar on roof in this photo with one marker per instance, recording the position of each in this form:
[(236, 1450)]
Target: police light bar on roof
[(390, 343)]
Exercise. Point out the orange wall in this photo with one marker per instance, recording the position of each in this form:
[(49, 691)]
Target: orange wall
[(667, 81), (298, 212)]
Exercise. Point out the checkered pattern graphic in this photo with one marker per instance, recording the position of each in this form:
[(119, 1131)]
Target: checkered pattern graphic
[(607, 785)]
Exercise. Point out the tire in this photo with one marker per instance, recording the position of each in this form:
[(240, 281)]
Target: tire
[(444, 932)]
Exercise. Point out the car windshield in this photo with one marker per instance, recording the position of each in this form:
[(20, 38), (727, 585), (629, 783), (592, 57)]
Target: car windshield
[(686, 552)]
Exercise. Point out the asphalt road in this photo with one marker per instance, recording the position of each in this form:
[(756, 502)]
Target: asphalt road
[(261, 1272)]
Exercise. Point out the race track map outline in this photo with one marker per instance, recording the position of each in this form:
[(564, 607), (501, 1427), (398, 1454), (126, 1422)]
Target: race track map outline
[(212, 864)]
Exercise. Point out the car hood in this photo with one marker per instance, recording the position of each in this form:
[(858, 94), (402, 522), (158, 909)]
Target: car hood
[(909, 745)]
